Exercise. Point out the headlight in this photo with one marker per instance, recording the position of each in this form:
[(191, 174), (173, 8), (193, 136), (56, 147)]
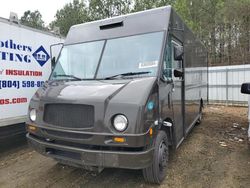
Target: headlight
[(33, 114), (120, 122)]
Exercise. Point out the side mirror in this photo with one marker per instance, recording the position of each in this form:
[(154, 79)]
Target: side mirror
[(178, 73), (53, 63), (55, 50), (245, 88), (178, 53)]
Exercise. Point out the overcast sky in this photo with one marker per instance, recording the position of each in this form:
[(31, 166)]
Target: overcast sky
[(47, 8)]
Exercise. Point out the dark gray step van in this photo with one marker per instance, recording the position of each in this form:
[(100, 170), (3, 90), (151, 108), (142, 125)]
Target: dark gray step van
[(123, 92)]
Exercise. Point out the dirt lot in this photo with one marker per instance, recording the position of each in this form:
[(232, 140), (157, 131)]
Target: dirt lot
[(215, 154)]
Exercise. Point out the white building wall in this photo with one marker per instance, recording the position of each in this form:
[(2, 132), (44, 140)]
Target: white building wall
[(225, 83)]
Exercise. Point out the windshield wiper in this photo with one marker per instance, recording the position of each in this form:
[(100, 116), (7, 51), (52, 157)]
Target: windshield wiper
[(67, 75), (127, 74)]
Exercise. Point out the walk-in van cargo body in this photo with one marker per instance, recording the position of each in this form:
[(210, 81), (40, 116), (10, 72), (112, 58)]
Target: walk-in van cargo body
[(124, 90)]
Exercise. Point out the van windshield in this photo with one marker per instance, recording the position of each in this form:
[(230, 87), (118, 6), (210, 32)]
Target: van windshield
[(132, 54)]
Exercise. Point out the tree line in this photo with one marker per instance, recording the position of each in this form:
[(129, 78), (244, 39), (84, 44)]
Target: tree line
[(222, 25)]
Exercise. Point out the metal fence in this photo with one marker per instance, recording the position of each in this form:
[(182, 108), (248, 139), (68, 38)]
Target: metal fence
[(225, 83)]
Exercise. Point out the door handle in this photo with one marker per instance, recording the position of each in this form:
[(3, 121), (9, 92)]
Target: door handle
[(169, 106)]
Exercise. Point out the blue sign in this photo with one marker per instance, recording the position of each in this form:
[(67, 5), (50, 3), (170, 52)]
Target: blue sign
[(41, 56)]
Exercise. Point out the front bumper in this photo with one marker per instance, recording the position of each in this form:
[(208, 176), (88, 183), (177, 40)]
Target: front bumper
[(77, 156)]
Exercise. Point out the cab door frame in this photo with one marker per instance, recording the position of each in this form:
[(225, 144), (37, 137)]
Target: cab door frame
[(178, 101), (171, 106)]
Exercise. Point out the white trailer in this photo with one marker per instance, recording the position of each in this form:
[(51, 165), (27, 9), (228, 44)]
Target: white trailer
[(248, 121), (25, 63), (245, 89)]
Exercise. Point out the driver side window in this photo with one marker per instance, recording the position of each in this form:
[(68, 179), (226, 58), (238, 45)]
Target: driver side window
[(167, 64), (170, 63)]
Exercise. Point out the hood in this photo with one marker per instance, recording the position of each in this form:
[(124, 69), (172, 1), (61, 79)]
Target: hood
[(125, 91), (108, 97), (82, 91)]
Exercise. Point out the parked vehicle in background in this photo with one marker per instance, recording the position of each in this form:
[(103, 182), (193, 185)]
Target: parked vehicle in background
[(25, 64), (123, 91), (245, 89)]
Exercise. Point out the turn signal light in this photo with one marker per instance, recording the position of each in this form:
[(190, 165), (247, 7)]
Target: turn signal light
[(32, 128), (119, 139), (150, 131)]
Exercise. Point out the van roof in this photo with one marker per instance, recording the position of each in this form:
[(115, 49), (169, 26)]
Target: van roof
[(131, 24)]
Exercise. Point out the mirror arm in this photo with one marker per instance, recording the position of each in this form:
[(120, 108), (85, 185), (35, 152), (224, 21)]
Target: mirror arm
[(170, 81), (162, 78)]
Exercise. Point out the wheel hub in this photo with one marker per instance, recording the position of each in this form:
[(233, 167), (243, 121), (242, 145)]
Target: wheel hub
[(163, 158)]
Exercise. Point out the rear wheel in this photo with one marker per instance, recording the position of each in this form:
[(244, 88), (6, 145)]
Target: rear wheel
[(156, 172), (200, 114), (199, 119)]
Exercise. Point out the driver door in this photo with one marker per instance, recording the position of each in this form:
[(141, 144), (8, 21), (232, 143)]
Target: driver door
[(172, 93)]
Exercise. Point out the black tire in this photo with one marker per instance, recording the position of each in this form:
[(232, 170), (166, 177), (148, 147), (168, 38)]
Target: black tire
[(198, 122), (156, 172)]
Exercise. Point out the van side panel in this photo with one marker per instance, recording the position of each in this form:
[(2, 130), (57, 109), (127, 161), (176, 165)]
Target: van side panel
[(195, 62), (195, 77), (195, 71)]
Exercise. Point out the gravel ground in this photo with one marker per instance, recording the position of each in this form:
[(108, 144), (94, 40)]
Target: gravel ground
[(215, 154)]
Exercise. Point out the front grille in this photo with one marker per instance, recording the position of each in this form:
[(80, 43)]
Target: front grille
[(69, 115)]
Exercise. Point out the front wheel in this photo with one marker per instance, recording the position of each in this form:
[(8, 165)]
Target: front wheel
[(156, 172)]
